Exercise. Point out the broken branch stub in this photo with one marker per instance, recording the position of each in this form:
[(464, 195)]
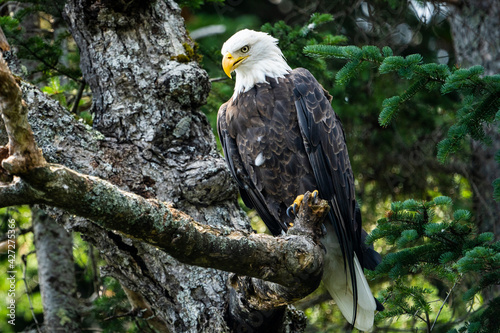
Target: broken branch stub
[(23, 154)]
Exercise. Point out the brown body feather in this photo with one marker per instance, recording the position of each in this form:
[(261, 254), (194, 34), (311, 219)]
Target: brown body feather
[(271, 156)]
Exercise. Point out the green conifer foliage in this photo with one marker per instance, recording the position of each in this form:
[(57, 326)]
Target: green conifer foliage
[(428, 239), (293, 39), (480, 94), (44, 47), (49, 56)]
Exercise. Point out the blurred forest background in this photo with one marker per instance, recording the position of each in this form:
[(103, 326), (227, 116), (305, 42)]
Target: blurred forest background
[(423, 289)]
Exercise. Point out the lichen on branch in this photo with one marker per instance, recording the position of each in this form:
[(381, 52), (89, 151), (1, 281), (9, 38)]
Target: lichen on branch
[(292, 261)]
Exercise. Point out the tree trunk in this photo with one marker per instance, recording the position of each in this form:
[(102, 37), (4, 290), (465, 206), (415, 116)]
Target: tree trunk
[(155, 143), (54, 252), (150, 138), (476, 37)]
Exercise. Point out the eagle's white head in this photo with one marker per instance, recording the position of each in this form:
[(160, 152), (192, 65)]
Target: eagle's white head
[(253, 55)]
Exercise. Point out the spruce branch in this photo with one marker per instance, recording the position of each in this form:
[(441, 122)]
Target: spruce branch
[(480, 94), (447, 247)]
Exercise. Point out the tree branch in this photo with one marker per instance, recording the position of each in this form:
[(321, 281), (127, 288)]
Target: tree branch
[(56, 271), (18, 192), (293, 261), (24, 154)]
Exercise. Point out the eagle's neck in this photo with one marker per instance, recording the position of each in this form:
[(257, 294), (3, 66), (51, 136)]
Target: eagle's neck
[(252, 72)]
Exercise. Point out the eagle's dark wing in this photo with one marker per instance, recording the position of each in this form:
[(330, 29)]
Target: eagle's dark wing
[(252, 197), (264, 149), (327, 151)]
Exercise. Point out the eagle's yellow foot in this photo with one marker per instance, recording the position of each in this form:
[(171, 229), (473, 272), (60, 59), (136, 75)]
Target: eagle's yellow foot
[(297, 202)]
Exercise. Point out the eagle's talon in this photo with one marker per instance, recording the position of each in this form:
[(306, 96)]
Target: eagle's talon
[(315, 194), (295, 205)]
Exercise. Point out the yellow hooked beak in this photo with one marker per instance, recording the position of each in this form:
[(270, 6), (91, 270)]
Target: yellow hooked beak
[(229, 63)]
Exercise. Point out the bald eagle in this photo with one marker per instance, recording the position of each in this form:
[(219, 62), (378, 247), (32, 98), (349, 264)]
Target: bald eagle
[(282, 138)]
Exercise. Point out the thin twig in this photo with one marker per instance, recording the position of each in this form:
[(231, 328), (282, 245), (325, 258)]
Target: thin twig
[(428, 321), (95, 276), (219, 79), (78, 96), (132, 313), (25, 265), (442, 305), (43, 60)]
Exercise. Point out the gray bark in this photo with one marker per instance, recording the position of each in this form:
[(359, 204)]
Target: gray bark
[(293, 261), (475, 25), (56, 271), (149, 138), (157, 144)]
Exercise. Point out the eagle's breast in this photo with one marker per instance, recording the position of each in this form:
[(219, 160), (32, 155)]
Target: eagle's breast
[(263, 122)]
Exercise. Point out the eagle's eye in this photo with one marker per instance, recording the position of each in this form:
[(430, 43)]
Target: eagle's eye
[(245, 49)]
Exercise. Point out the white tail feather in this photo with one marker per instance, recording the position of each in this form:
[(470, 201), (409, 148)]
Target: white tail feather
[(338, 283)]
